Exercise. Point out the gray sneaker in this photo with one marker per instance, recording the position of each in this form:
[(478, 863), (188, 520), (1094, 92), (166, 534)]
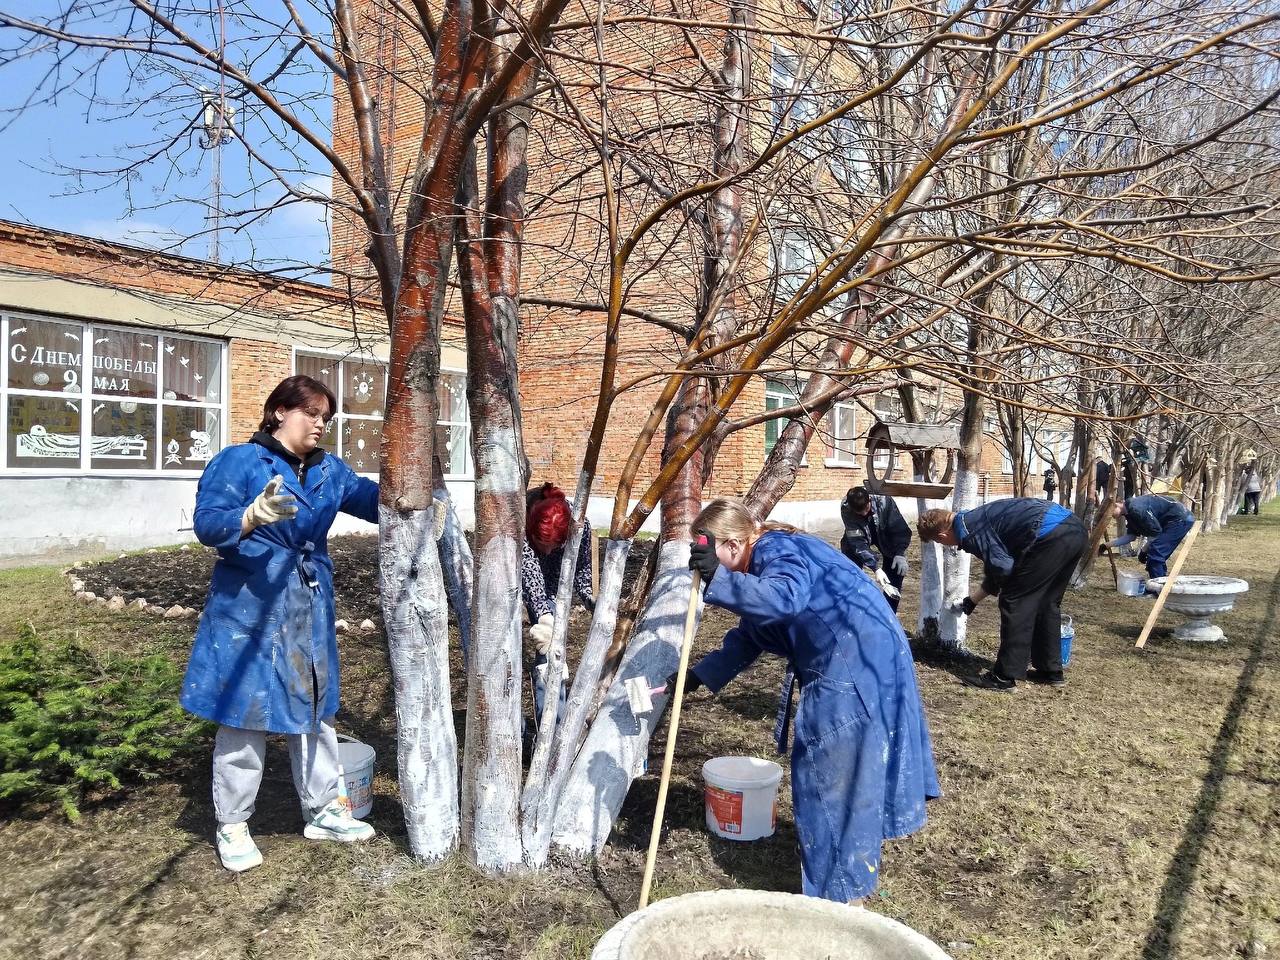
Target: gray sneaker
[(335, 822), (236, 848)]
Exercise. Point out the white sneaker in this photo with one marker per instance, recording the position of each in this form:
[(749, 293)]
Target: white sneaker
[(236, 848), (335, 822)]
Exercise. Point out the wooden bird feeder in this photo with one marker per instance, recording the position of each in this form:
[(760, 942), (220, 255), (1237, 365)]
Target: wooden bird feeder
[(895, 438)]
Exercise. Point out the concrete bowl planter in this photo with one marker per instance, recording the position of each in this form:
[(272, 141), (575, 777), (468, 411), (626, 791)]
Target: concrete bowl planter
[(1200, 598), (760, 925)]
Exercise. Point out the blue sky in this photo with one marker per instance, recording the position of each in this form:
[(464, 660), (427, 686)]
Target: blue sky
[(164, 202)]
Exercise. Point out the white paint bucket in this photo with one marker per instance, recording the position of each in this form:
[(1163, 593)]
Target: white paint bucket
[(1131, 584), (741, 796), (357, 767)]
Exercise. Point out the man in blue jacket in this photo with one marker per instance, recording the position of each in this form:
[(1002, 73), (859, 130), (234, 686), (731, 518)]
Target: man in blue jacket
[(1029, 549), (1162, 521)]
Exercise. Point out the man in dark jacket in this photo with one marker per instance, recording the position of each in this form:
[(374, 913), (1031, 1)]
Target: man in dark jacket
[(1163, 521), (876, 522), (1029, 549)]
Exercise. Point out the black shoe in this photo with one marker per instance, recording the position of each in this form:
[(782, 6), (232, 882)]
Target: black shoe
[(989, 680), (1052, 678)]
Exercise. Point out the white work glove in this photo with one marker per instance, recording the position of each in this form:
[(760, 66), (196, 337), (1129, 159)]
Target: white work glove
[(899, 565), (889, 589), (541, 633), (271, 506)]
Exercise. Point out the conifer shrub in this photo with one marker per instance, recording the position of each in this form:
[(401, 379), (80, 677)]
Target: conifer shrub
[(73, 721)]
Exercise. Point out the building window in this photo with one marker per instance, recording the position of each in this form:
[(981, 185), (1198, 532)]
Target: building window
[(847, 152), (453, 430), (793, 262), (360, 384), (888, 409), (777, 394), (844, 429), (86, 396), (793, 103)]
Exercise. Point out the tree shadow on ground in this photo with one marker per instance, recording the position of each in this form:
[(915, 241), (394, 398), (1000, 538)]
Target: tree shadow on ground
[(1181, 876)]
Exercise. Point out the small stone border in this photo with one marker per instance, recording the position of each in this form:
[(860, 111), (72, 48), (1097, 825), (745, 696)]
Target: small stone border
[(119, 603)]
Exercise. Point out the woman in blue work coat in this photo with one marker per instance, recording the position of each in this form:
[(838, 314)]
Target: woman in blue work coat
[(862, 765), (265, 658)]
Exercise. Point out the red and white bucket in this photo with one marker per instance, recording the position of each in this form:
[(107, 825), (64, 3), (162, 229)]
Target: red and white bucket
[(741, 797)]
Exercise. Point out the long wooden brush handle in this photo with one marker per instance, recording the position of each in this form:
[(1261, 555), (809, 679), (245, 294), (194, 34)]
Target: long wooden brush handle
[(677, 702), (1174, 569)]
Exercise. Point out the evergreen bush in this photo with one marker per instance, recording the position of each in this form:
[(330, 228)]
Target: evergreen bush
[(72, 720)]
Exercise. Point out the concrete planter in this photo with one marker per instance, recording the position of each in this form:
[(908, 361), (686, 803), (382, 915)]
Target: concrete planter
[(760, 925), (1200, 598)]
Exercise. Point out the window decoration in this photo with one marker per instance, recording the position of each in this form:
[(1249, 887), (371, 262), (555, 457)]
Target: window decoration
[(94, 397)]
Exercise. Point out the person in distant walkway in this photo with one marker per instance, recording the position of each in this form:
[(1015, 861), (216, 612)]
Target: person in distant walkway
[(547, 522), (1162, 521), (1252, 489), (875, 521), (265, 658), (1029, 549), (1101, 479), (1050, 483)]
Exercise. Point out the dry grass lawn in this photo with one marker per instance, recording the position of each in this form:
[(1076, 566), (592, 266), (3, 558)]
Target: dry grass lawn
[(1133, 814)]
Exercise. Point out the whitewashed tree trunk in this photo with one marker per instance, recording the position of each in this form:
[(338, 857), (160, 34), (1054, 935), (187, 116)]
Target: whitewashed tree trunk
[(491, 753), (546, 785), (415, 613), (953, 630), (617, 745), (931, 592), (456, 564)]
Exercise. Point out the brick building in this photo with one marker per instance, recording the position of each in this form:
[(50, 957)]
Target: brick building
[(566, 262), (124, 371)]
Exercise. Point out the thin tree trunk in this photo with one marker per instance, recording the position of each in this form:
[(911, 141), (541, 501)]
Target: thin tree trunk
[(491, 754), (617, 745)]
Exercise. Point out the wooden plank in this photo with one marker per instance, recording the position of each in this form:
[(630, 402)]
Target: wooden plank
[(1183, 549), (923, 435), (909, 488)]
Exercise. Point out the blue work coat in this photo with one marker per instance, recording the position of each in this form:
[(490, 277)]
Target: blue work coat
[(1164, 522), (1001, 532), (1151, 515), (862, 764), (266, 653)]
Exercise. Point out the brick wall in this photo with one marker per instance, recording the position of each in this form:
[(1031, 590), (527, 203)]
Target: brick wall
[(255, 367), (565, 257)]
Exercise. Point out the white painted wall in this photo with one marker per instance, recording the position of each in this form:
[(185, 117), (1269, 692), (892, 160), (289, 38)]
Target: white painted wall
[(46, 517)]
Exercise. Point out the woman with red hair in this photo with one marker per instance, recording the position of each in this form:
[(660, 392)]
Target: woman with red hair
[(547, 522)]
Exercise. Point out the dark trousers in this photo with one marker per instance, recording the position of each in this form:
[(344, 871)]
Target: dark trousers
[(1030, 614), (1251, 502), (1160, 548)]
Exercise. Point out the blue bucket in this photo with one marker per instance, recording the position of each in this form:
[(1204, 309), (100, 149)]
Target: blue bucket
[(1068, 634)]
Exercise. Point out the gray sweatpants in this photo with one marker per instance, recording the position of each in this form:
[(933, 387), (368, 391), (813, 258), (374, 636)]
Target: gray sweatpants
[(238, 759)]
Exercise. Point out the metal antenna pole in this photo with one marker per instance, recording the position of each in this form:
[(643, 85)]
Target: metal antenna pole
[(217, 120)]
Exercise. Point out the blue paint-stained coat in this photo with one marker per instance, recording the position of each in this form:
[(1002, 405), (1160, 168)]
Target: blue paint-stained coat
[(1164, 522), (862, 765), (266, 654)]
